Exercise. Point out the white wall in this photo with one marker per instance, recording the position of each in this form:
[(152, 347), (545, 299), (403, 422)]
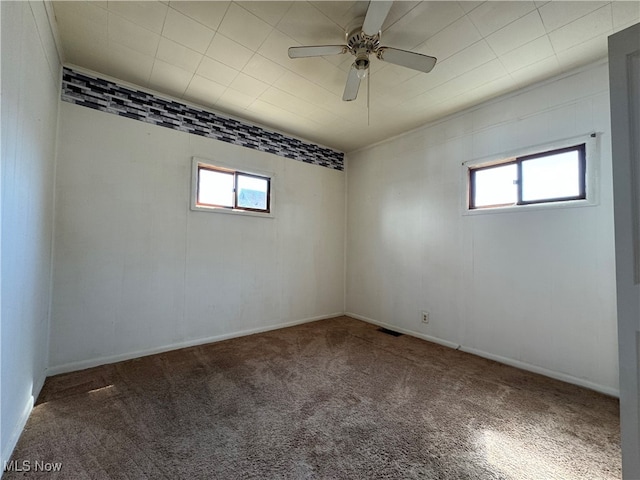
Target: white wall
[(532, 288), (30, 92), (136, 271)]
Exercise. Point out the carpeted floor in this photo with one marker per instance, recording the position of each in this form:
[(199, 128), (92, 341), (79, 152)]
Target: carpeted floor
[(329, 399)]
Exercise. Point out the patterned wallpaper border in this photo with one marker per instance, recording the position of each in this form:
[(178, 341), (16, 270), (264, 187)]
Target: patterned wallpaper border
[(99, 94)]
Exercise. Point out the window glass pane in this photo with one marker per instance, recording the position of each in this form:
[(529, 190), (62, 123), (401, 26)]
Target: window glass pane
[(215, 188), (495, 186), (252, 192), (553, 176)]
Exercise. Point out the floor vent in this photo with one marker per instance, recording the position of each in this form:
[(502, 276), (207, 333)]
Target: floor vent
[(389, 332)]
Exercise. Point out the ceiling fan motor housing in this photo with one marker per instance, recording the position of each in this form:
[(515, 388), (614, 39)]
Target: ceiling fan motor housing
[(360, 43)]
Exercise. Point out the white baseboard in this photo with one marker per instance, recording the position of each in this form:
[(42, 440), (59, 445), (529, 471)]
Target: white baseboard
[(413, 333), (95, 362), (7, 451), (15, 434), (505, 360), (581, 382)]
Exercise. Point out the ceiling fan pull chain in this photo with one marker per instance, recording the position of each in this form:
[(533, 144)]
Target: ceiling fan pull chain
[(368, 96)]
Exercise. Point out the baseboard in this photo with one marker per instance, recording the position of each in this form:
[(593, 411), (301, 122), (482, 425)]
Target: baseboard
[(406, 331), (497, 358), (96, 362), (15, 434), (7, 451), (581, 382)]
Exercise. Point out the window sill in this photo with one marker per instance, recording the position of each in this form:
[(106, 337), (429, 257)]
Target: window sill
[(229, 211), (530, 207)]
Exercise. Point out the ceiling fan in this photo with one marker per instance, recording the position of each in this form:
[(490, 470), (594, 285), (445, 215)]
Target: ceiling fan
[(362, 41)]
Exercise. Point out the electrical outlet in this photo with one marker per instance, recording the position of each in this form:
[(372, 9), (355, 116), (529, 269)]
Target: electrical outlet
[(425, 317)]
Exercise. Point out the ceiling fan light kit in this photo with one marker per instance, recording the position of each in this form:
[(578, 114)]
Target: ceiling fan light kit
[(362, 41)]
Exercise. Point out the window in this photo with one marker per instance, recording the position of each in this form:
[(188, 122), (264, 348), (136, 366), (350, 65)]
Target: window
[(227, 189), (552, 176)]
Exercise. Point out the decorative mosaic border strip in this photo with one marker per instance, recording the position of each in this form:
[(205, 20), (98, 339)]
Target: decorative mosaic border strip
[(99, 94)]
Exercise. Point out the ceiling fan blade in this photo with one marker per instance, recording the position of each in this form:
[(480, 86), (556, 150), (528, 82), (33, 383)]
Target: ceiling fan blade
[(317, 51), (376, 14), (404, 58), (352, 86)]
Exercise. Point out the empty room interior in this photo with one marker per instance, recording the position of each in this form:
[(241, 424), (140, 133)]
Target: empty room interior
[(333, 239)]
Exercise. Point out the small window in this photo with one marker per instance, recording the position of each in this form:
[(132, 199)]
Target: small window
[(218, 187), (553, 176)]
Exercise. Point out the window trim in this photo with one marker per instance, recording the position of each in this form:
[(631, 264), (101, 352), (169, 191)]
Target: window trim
[(590, 164), (238, 170)]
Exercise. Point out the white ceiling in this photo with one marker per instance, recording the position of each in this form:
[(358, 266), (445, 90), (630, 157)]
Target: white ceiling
[(232, 56)]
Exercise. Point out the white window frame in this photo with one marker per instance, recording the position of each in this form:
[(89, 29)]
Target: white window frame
[(196, 162), (592, 175)]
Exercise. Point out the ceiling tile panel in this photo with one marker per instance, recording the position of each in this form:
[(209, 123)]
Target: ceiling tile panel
[(517, 33), (269, 114), (438, 76), (209, 14), (492, 16), (326, 117), (475, 78), (392, 76), (306, 25), (216, 71), (286, 101), (486, 91), (591, 50), (132, 35), (342, 13), (86, 10), (398, 10), (469, 5), (186, 31), (306, 90), (456, 37), (557, 14), (471, 57), (536, 71), (527, 54), (322, 73), (229, 52), (178, 55), (412, 88), (270, 12), (86, 22), (130, 65), (244, 27), (169, 78), (594, 24), (204, 91), (424, 21), (149, 15), (233, 101), (264, 69), (248, 85), (87, 53), (625, 14), (275, 48), (416, 104)]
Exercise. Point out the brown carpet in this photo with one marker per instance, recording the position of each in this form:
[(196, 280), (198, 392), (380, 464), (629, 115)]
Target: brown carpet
[(329, 399)]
